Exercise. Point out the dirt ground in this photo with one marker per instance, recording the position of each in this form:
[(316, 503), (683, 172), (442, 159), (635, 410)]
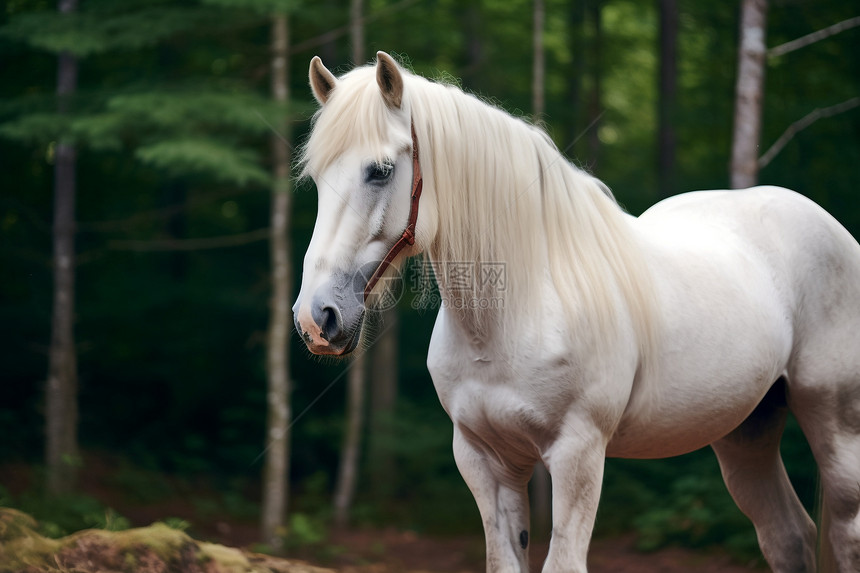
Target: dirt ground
[(395, 552), (387, 550)]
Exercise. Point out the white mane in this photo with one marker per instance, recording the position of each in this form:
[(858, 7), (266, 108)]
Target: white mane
[(504, 194)]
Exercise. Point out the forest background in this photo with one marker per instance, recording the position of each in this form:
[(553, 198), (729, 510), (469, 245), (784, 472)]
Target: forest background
[(175, 121)]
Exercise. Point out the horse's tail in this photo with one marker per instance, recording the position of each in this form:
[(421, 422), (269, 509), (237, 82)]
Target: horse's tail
[(826, 559)]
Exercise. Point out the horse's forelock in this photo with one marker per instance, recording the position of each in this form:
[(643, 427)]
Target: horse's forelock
[(355, 116)]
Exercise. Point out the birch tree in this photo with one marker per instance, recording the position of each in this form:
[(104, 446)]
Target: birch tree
[(666, 137), (538, 63), (749, 93), (595, 13), (347, 476), (384, 381), (277, 463), (61, 395), (540, 482), (576, 37), (356, 381)]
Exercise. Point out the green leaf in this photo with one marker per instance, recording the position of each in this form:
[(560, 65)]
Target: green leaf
[(260, 6), (192, 110), (88, 33), (99, 131), (36, 128), (205, 157)]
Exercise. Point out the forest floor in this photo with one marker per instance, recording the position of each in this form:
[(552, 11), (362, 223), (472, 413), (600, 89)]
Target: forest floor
[(378, 550), (396, 552)]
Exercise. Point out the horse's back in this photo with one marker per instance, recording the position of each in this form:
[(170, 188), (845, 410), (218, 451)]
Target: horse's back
[(811, 259), (752, 285)]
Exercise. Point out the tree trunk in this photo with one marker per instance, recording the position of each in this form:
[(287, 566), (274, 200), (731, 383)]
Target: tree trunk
[(574, 78), (594, 111), (276, 473), (538, 62), (349, 455), (541, 503), (384, 381), (472, 75), (540, 483), (356, 30), (61, 395), (749, 92), (667, 97)]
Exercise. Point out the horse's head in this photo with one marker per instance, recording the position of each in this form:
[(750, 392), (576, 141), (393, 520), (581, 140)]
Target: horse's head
[(359, 154)]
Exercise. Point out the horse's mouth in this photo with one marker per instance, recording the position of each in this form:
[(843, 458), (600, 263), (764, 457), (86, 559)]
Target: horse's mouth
[(345, 346), (352, 343)]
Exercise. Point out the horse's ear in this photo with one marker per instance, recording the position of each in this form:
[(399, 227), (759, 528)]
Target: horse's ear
[(389, 79), (322, 80)]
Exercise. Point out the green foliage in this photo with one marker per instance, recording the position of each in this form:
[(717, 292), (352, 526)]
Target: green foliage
[(260, 6), (176, 523), (425, 492), (60, 516), (175, 130), (106, 29), (305, 530), (141, 485), (697, 512), (191, 156), (203, 108), (230, 501), (678, 501), (36, 127), (5, 497)]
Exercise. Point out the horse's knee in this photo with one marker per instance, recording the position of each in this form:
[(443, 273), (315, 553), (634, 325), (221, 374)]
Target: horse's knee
[(790, 550), (845, 542)]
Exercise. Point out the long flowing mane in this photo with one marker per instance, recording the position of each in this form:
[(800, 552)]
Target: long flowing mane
[(504, 194)]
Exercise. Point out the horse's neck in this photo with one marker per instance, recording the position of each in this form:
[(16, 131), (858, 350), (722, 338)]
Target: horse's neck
[(494, 315)]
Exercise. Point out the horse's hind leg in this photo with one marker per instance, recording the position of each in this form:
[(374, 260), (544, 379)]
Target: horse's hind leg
[(755, 476), (831, 421)]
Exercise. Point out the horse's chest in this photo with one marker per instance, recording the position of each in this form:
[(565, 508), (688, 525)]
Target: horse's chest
[(506, 409), (504, 422), (511, 404)]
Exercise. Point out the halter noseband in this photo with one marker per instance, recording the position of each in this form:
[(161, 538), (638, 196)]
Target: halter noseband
[(408, 236)]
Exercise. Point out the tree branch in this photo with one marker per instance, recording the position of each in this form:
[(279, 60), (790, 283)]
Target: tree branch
[(802, 124), (338, 32), (808, 39), (109, 226), (191, 244)]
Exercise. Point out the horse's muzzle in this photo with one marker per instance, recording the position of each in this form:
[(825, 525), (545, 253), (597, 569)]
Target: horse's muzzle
[(328, 328)]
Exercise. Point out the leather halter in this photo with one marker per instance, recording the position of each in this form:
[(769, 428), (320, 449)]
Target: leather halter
[(408, 236)]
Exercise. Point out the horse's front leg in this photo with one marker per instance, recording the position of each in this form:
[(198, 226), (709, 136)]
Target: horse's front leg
[(502, 497), (575, 462)]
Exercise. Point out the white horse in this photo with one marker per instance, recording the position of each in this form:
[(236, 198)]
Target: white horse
[(701, 322)]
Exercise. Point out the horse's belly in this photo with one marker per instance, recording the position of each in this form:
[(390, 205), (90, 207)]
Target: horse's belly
[(704, 388), (726, 337), (688, 421)]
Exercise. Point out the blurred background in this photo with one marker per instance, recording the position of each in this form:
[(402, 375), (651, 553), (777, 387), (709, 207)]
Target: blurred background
[(144, 147)]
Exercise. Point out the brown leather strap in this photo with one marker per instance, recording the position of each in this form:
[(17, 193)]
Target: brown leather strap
[(408, 236)]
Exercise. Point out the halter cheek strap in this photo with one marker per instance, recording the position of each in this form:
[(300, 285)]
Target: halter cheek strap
[(408, 236)]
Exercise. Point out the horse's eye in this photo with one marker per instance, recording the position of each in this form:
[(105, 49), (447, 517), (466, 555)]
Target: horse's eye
[(379, 172)]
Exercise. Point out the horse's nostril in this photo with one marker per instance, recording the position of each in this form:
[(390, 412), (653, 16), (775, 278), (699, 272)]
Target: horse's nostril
[(330, 324)]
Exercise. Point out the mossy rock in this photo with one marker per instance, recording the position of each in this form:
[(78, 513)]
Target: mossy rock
[(153, 549)]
